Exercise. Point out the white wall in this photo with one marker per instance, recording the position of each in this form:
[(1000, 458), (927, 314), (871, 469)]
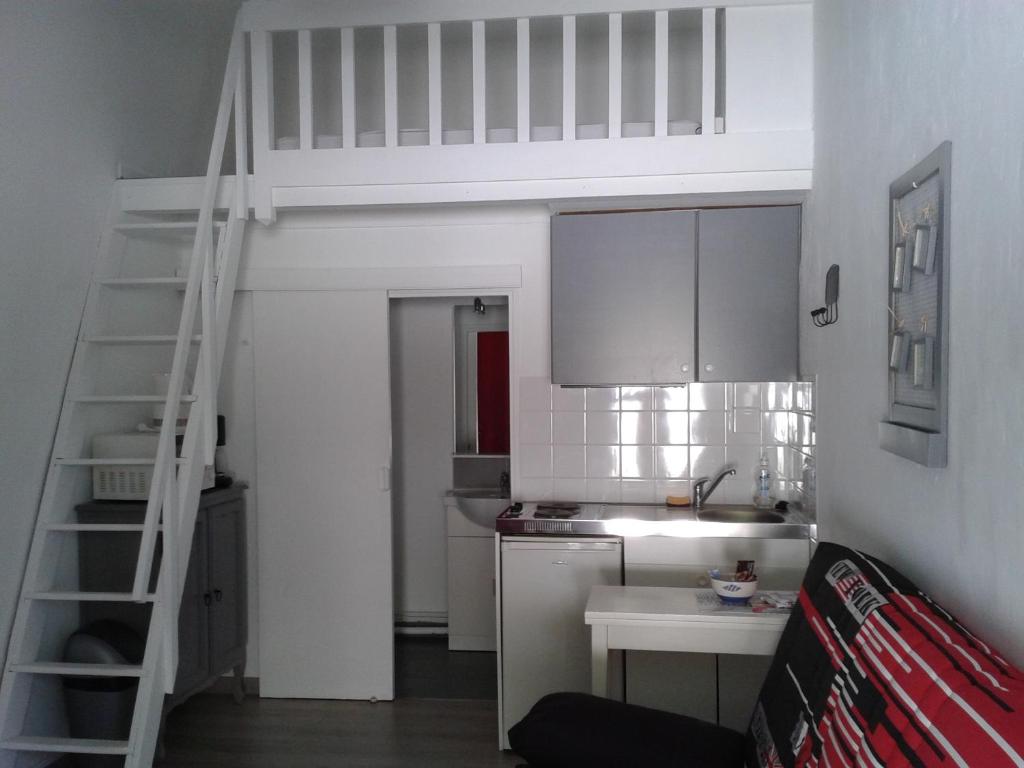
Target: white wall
[(893, 80), (84, 86), (397, 249)]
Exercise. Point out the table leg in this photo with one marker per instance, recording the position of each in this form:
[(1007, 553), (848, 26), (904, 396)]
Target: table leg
[(599, 659)]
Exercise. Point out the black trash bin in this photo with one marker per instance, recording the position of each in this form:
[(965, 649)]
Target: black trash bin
[(101, 707)]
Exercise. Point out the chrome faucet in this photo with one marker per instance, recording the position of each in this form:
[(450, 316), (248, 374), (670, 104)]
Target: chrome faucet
[(700, 496)]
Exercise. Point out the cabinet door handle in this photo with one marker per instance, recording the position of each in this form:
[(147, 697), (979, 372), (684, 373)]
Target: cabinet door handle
[(217, 595), (207, 599)]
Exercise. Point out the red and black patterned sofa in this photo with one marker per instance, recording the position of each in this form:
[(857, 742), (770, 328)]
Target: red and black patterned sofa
[(869, 671)]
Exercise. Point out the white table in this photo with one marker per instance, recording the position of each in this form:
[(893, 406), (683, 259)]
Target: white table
[(670, 619)]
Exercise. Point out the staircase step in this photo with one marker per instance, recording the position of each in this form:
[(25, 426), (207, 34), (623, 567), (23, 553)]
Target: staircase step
[(144, 282), (80, 670), (89, 597), (162, 226), (155, 339), (131, 462), (180, 231), (61, 744), (98, 527), (116, 399)]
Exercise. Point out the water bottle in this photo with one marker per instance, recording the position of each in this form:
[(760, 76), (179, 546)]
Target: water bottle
[(763, 485)]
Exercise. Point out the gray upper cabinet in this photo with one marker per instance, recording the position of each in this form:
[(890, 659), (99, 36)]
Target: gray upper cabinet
[(747, 294), (667, 297), (622, 298)]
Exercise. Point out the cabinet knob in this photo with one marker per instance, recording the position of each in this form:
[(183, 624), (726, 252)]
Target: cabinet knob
[(207, 599), (685, 368), (217, 595), (709, 367)]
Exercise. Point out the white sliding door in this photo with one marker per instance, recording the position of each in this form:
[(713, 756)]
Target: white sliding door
[(324, 517)]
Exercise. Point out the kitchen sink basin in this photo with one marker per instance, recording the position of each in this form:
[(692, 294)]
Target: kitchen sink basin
[(739, 515), (473, 512)]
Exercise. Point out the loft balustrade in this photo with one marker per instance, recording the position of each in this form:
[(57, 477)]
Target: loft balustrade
[(408, 102)]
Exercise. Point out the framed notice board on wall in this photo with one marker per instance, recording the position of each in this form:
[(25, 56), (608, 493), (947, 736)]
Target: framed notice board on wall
[(918, 312)]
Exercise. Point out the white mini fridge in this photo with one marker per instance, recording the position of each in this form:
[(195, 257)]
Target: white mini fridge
[(545, 644)]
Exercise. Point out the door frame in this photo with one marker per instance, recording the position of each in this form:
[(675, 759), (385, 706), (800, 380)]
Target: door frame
[(513, 297)]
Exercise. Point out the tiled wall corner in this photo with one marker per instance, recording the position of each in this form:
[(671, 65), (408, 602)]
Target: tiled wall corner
[(641, 444)]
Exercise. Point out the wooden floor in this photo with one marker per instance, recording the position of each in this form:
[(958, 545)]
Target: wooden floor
[(212, 731)]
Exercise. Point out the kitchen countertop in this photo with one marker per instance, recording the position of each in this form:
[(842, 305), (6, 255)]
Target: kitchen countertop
[(628, 520)]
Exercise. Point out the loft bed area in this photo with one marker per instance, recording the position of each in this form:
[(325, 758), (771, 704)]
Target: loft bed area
[(380, 104)]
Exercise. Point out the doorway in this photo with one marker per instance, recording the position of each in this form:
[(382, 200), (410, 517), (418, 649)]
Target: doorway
[(450, 384)]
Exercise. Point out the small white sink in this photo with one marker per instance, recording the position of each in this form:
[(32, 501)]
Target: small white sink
[(472, 513)]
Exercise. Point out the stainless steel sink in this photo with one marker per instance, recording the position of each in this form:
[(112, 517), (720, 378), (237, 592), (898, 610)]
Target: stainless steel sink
[(739, 515)]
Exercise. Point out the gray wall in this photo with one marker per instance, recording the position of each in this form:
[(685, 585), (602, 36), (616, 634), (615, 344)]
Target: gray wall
[(892, 80), (85, 85)]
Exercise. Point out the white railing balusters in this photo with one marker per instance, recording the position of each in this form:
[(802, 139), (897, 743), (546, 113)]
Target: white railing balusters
[(661, 73), (348, 88), (305, 89), (434, 123), (709, 58), (262, 54), (568, 78), (614, 75), (390, 86), (479, 83), (241, 207), (522, 80)]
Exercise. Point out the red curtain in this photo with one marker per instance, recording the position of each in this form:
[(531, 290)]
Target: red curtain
[(492, 391)]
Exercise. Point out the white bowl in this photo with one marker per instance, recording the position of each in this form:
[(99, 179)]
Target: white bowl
[(732, 591)]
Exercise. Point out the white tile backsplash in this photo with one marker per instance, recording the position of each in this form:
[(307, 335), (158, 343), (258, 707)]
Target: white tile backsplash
[(706, 460), (671, 398), (672, 428), (637, 461), (568, 427), (672, 462), (636, 428), (744, 396), (602, 428), (640, 444), (637, 491), (707, 397), (569, 461), (636, 398), (568, 399), (602, 461), (707, 427), (602, 398)]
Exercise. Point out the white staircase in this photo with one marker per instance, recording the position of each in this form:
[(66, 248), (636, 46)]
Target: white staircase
[(159, 303)]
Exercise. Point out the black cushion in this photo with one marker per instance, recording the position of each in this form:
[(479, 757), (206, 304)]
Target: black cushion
[(570, 730)]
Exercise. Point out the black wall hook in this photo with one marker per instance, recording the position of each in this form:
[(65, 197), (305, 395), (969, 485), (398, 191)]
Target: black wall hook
[(828, 314)]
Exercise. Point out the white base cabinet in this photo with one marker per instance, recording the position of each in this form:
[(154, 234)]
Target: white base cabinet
[(471, 599), (545, 645)]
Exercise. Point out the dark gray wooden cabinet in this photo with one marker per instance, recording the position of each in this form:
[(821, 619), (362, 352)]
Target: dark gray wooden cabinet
[(622, 298), (669, 297), (748, 294), (213, 619)]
